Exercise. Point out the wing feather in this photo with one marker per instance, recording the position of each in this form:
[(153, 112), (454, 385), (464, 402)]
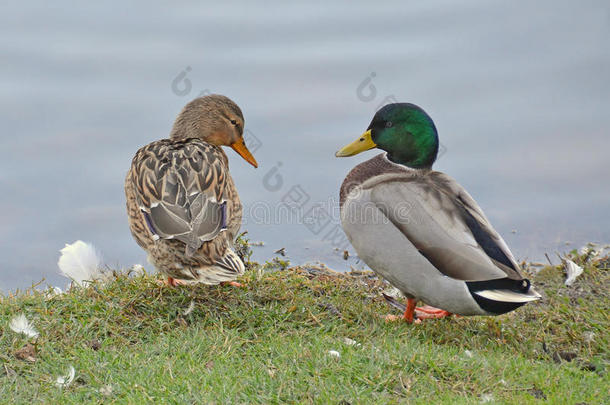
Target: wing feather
[(180, 186), (488, 238), (446, 225)]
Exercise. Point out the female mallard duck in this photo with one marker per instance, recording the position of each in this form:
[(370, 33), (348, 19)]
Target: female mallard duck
[(419, 229), (182, 203)]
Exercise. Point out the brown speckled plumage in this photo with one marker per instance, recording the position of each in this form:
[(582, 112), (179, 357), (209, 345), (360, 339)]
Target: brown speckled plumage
[(182, 204)]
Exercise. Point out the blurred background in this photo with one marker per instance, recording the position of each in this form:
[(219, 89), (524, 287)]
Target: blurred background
[(520, 94)]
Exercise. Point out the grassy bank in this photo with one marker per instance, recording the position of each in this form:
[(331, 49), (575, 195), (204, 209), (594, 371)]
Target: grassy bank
[(131, 341)]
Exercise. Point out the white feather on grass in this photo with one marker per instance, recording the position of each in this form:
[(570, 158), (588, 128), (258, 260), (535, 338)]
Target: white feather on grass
[(334, 353), (53, 291), (80, 262), (189, 309), (486, 398), (106, 390), (351, 342), (137, 270), (584, 250), (20, 324), (572, 272), (593, 250), (65, 380)]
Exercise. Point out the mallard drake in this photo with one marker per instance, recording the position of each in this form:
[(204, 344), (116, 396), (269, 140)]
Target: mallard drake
[(182, 204), (419, 229)]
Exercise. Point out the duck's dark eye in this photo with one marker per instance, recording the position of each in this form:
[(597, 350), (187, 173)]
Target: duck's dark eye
[(388, 124), (233, 122), (361, 139)]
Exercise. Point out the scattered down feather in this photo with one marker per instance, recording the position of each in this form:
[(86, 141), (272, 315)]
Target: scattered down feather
[(572, 272), (20, 324), (65, 380), (80, 262), (53, 291)]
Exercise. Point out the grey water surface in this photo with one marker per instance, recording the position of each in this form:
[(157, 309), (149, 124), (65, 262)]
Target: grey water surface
[(520, 93)]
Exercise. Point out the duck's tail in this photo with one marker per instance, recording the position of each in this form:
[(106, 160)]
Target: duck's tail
[(502, 295), (226, 268), (509, 295)]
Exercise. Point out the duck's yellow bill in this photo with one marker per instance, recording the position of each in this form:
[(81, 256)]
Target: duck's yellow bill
[(359, 145), (240, 147)]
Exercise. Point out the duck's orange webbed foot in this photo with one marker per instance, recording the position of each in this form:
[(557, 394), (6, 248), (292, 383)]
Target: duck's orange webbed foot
[(428, 312), (232, 284), (170, 282), (415, 314), (408, 316)]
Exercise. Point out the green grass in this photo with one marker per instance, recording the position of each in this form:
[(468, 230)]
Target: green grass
[(269, 343)]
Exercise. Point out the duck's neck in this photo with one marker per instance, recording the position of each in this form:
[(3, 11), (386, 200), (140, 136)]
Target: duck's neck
[(402, 166), (405, 161), (416, 153)]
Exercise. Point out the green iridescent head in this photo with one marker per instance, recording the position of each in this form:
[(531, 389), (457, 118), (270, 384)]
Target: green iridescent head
[(403, 130)]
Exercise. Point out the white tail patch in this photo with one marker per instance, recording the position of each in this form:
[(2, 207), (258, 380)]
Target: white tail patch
[(508, 295), (80, 262)]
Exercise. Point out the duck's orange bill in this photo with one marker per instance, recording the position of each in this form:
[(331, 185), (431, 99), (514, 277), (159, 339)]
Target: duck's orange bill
[(240, 147)]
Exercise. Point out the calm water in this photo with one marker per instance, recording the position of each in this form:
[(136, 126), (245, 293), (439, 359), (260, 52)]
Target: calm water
[(520, 96)]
